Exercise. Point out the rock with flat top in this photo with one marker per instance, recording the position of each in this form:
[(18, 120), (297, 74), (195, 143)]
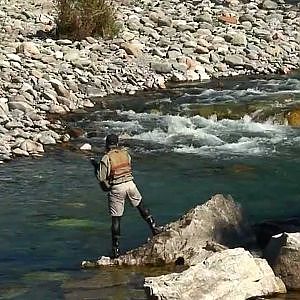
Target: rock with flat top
[(229, 274)]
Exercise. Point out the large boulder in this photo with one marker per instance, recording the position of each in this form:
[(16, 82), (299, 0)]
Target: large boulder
[(219, 220), (283, 254), (229, 274)]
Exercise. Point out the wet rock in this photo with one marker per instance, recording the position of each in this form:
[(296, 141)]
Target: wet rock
[(75, 132), (293, 118), (283, 254)]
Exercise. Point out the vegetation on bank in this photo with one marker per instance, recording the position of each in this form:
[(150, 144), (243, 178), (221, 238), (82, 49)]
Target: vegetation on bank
[(78, 19)]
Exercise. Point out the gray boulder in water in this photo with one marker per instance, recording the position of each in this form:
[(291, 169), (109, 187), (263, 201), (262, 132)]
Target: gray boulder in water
[(220, 220)]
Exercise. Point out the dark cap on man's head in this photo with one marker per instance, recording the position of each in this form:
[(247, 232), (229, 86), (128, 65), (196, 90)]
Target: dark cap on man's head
[(111, 140)]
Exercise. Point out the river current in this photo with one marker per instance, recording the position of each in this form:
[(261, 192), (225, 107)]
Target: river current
[(187, 143)]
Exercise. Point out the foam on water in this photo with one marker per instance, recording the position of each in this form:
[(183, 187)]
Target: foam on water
[(203, 136), (244, 146), (260, 89), (124, 125)]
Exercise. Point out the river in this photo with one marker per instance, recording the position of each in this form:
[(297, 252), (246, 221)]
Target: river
[(187, 143)]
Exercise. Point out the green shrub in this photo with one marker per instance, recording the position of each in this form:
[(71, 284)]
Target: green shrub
[(78, 19)]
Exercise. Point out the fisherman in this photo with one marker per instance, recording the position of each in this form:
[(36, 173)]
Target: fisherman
[(114, 173)]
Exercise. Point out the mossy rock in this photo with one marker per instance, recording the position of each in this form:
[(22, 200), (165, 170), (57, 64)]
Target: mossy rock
[(293, 118), (12, 292), (46, 276), (76, 223), (222, 111)]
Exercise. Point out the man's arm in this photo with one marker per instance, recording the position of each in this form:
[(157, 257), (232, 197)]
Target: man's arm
[(102, 175), (95, 165)]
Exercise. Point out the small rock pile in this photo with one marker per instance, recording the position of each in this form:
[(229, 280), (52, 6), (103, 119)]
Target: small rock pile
[(159, 41)]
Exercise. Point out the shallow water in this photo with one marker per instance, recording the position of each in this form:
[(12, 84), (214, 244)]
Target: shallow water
[(53, 214)]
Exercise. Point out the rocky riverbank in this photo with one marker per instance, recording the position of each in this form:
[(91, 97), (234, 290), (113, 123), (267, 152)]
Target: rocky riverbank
[(159, 41)]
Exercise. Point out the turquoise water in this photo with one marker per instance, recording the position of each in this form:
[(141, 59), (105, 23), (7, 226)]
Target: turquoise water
[(53, 214)]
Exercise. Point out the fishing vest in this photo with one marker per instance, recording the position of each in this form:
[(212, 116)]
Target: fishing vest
[(120, 166)]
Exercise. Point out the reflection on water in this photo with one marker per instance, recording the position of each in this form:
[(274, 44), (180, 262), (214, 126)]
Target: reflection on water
[(53, 214)]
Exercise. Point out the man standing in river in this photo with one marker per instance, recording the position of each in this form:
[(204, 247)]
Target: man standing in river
[(114, 173)]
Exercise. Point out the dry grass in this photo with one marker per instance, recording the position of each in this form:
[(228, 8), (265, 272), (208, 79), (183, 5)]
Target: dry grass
[(78, 19)]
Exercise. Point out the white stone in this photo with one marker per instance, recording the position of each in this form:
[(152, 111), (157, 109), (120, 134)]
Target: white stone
[(192, 75), (4, 64), (13, 57), (228, 274), (86, 147), (59, 55), (2, 14), (28, 48), (46, 138), (127, 36), (20, 152), (88, 103), (177, 77), (57, 109), (31, 146)]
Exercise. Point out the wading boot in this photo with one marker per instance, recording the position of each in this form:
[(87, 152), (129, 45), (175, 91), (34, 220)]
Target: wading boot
[(115, 234), (145, 213), (154, 228), (115, 253)]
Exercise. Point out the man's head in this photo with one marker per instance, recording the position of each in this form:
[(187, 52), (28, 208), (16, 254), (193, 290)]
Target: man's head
[(111, 141)]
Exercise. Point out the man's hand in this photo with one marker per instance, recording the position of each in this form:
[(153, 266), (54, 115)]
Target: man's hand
[(95, 164)]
